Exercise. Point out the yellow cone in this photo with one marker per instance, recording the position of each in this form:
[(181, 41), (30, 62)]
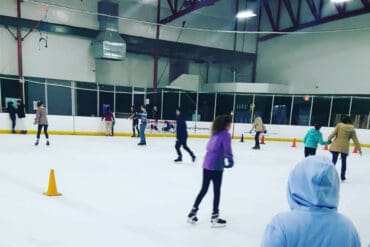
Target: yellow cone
[(52, 189)]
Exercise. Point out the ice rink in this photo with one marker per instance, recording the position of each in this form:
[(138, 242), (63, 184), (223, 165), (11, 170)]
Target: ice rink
[(118, 194)]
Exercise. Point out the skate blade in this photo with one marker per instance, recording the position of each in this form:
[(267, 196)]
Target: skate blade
[(192, 221), (218, 226)]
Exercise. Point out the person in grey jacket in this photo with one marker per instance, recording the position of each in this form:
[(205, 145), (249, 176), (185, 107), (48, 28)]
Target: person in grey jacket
[(42, 122)]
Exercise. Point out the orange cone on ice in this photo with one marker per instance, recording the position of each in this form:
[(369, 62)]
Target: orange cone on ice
[(355, 151), (263, 139), (326, 147), (52, 188), (294, 145)]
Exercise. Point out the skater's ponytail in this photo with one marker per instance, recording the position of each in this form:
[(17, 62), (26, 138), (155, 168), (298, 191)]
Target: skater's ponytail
[(220, 124)]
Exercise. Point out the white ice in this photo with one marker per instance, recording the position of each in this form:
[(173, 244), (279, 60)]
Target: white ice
[(118, 194)]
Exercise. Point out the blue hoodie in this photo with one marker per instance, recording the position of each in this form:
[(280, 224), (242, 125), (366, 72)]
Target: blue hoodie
[(314, 137), (313, 196)]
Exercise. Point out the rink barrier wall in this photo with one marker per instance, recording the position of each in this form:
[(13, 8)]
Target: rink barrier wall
[(93, 126)]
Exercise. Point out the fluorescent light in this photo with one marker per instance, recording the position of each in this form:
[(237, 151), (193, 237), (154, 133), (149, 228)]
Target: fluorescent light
[(245, 14), (340, 1)]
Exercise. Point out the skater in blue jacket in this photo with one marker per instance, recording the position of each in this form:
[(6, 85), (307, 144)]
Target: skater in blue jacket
[(313, 197), (312, 139)]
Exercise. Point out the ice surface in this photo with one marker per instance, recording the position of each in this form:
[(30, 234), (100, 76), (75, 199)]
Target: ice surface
[(118, 194)]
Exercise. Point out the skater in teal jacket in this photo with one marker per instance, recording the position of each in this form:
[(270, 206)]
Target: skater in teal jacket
[(312, 139), (313, 197)]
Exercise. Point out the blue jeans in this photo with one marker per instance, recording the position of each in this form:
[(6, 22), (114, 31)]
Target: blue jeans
[(142, 133), (344, 162)]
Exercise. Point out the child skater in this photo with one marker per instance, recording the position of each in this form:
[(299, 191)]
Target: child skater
[(41, 120), (259, 128), (182, 137), (143, 116), (135, 122), (312, 139), (218, 149)]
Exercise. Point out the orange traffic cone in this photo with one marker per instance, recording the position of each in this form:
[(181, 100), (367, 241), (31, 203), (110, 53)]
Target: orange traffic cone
[(294, 145), (263, 139), (355, 151), (52, 188), (326, 148)]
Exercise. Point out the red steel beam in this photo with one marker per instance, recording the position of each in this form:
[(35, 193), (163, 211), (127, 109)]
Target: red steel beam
[(19, 50), (194, 5)]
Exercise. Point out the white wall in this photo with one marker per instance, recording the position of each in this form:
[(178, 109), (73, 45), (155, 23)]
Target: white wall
[(331, 63), (90, 124), (219, 16), (70, 58)]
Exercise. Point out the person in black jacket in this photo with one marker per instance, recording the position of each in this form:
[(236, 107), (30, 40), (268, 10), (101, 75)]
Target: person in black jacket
[(21, 112), (135, 122), (12, 111), (181, 137)]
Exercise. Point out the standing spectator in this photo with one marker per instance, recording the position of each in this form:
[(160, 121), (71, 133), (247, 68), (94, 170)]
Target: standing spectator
[(218, 149), (259, 128), (182, 137), (312, 139), (342, 135), (12, 111), (21, 112), (109, 119), (313, 220), (41, 120), (135, 122), (143, 116)]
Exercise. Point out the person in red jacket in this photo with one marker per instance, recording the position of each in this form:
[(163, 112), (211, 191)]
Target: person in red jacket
[(109, 119)]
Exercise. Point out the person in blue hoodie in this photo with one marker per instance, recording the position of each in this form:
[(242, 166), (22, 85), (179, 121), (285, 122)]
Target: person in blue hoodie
[(182, 137), (312, 139), (313, 197)]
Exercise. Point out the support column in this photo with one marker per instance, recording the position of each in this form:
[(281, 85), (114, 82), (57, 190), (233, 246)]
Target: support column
[(155, 55), (254, 69), (311, 108), (272, 108), (331, 110), (291, 111), (19, 52), (215, 107), (350, 106)]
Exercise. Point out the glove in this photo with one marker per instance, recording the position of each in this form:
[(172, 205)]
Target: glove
[(230, 164)]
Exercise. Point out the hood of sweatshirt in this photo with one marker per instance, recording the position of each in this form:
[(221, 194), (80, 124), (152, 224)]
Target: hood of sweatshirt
[(346, 127), (314, 185)]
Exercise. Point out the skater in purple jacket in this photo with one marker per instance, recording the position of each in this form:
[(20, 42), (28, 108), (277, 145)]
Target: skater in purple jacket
[(218, 150)]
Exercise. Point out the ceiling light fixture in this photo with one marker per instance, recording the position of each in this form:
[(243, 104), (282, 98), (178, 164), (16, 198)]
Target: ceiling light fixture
[(245, 14), (340, 1)]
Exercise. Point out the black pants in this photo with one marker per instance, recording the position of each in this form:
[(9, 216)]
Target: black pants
[(257, 139), (39, 128), (344, 162), (13, 122), (216, 178), (135, 126), (309, 151), (183, 143)]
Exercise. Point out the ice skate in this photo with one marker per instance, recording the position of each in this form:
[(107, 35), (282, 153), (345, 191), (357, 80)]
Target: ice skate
[(217, 222), (37, 143), (256, 148), (141, 144), (193, 158), (47, 143), (192, 216), (178, 160)]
